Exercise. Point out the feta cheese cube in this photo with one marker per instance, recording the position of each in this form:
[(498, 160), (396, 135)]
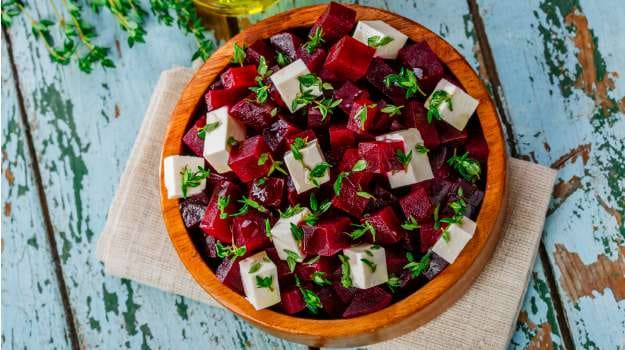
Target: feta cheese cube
[(282, 236), (300, 173), (285, 81), (259, 276), (367, 265), (216, 148), (459, 235), (418, 169), (462, 105), (173, 166), (380, 29)]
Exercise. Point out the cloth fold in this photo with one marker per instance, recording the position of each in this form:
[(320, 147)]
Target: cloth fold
[(134, 243)]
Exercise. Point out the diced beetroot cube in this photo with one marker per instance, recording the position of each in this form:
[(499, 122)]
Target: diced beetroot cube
[(415, 116), (207, 245), (450, 135), (367, 301), (249, 231), (386, 224), (341, 136), (251, 159), (192, 209), (268, 191), (383, 120), (345, 294), (410, 240), (350, 157), (292, 196), (437, 264), (256, 50), (378, 70), (349, 59), (416, 204), (354, 122), (331, 304), (291, 301), (335, 22), (429, 235), (251, 113), (315, 119), (287, 43), (380, 155), (327, 237), (348, 199), (477, 148), (276, 134), (216, 180), (223, 97), (472, 196), (395, 261), (383, 197), (229, 274), (284, 273), (239, 77), (325, 264), (313, 61), (329, 76), (307, 135), (212, 224), (275, 96), (430, 68), (397, 125), (192, 141), (349, 92)]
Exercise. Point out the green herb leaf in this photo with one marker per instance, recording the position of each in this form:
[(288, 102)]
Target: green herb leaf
[(392, 110), (238, 55), (261, 91), (265, 282), (326, 106), (377, 41), (276, 165), (365, 194), (263, 159), (313, 260), (319, 170), (361, 230), (318, 278), (232, 142), (445, 235), (222, 204), (282, 59), (297, 232), (314, 41), (361, 114), (410, 224), (346, 280), (229, 251), (291, 259), (247, 204), (359, 166), (290, 211), (438, 98), (255, 267), (393, 283), (312, 301), (403, 157), (468, 168), (338, 183), (405, 79), (371, 264), (201, 132), (421, 149), (192, 179), (297, 146), (268, 229), (417, 268), (262, 70)]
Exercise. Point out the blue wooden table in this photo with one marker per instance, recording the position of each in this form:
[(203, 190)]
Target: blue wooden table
[(556, 69)]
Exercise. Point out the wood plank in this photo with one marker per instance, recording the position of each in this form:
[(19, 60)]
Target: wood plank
[(84, 127), (560, 63), (33, 315)]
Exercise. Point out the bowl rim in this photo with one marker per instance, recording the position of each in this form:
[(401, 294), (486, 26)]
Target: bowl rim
[(411, 311)]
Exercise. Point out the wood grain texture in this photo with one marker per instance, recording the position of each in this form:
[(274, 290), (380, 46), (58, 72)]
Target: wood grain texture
[(406, 314), (561, 69)]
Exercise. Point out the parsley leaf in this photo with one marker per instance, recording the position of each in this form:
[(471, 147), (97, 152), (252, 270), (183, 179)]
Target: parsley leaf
[(361, 230), (372, 266), (303, 98), (318, 278), (410, 224), (362, 113), (392, 110), (417, 268), (247, 204), (405, 79), (346, 280), (297, 146), (326, 106), (438, 98), (201, 132), (312, 301), (265, 282), (291, 259), (318, 171), (297, 232), (377, 41), (222, 204), (338, 183), (282, 59), (268, 228), (393, 283), (232, 142), (314, 41), (421, 149), (255, 267), (276, 165), (403, 157), (192, 179), (468, 168), (227, 251), (290, 211), (364, 194), (263, 159), (359, 166), (238, 54)]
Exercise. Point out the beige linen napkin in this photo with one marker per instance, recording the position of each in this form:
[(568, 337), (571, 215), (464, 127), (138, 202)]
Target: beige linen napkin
[(135, 245)]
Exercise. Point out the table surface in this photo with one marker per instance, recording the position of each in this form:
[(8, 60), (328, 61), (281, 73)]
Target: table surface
[(555, 68)]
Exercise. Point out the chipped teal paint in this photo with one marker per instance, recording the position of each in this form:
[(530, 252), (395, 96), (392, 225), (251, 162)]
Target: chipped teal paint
[(541, 75)]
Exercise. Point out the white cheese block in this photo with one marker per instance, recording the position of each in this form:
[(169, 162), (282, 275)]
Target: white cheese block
[(312, 155), (216, 149), (459, 236), (285, 81), (282, 236), (418, 169), (173, 166), (362, 273), (367, 29), (262, 268), (463, 105)]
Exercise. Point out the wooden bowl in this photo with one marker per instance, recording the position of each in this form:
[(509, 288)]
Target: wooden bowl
[(414, 310)]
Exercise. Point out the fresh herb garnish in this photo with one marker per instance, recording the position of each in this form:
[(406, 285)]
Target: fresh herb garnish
[(406, 79), (312, 301), (314, 41), (318, 278), (291, 259), (316, 210), (238, 54), (346, 280), (359, 166), (392, 110), (377, 41), (393, 283), (268, 228), (232, 142), (247, 204), (290, 211), (262, 89), (222, 204), (361, 230), (313, 260), (264, 282), (361, 114), (421, 149), (318, 171), (297, 232), (201, 132), (255, 267), (263, 159), (303, 98), (417, 268), (276, 165), (364, 194), (437, 223), (226, 251), (445, 235), (403, 158), (297, 146), (282, 59), (468, 168), (410, 224), (326, 106), (192, 179), (436, 101), (372, 266)]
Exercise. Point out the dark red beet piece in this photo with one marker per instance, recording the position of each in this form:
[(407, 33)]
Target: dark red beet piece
[(256, 50), (229, 274), (327, 237), (380, 155), (355, 123), (386, 224), (348, 93), (292, 196), (415, 116), (345, 294), (450, 135), (208, 246), (332, 305), (212, 224), (287, 43), (249, 231), (477, 147), (378, 70), (350, 157), (429, 235), (275, 135), (219, 98), (325, 264), (216, 180), (284, 273), (341, 136), (268, 192), (395, 261), (416, 204), (329, 76), (251, 159), (291, 301), (313, 60), (383, 120), (192, 141), (410, 240), (335, 22), (430, 68), (367, 301), (437, 264), (251, 113), (383, 197), (275, 97), (239, 77), (348, 199), (315, 119), (349, 59), (193, 208)]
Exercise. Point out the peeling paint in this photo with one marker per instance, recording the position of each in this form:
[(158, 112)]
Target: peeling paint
[(572, 155), (540, 336)]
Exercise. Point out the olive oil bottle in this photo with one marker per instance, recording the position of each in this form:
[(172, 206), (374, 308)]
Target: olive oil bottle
[(234, 7)]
